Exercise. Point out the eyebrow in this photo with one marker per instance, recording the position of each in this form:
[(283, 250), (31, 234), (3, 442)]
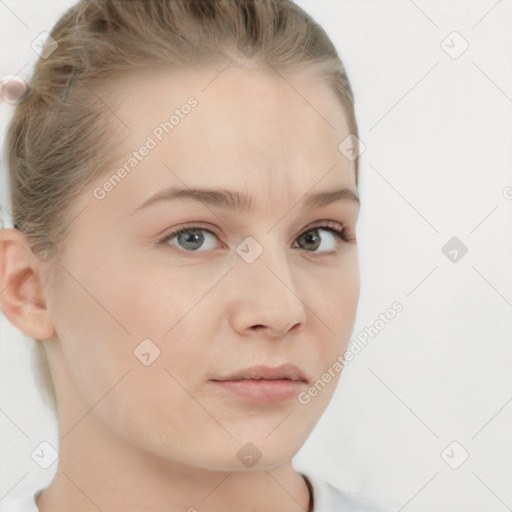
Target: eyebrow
[(235, 201)]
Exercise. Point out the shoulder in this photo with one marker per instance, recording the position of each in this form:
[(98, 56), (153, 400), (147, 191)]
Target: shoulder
[(21, 501), (328, 498)]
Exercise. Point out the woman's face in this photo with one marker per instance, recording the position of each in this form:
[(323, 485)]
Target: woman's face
[(148, 329)]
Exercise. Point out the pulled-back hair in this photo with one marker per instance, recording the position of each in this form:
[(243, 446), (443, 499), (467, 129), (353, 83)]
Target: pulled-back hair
[(65, 135)]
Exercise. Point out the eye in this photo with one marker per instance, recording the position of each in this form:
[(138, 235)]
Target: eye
[(337, 236), (192, 239)]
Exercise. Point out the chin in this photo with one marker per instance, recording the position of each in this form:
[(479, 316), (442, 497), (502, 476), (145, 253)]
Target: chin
[(243, 453)]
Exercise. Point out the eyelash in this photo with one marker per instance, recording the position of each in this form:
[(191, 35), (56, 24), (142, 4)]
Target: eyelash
[(343, 235)]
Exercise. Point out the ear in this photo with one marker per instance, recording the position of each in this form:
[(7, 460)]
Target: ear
[(22, 295)]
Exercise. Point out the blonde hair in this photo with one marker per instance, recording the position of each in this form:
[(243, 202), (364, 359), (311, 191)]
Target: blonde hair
[(61, 138)]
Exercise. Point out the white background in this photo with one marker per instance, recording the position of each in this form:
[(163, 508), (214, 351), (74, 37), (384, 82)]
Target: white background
[(437, 164)]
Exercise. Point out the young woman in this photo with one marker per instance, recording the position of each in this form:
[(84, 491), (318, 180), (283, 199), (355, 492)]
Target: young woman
[(184, 253)]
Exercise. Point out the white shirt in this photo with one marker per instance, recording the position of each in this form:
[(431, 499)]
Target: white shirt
[(326, 499)]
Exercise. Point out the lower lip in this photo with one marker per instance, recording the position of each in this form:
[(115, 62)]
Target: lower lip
[(270, 391)]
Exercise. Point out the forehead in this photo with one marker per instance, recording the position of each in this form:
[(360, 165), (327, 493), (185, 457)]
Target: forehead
[(236, 105), (260, 131)]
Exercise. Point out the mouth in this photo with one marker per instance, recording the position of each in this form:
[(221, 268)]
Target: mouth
[(287, 371), (264, 383)]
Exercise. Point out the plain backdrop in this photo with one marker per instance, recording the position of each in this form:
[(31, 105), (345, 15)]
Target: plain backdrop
[(422, 417)]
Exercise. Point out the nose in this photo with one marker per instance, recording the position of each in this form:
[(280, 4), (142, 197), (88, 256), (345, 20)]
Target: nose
[(272, 332), (266, 300)]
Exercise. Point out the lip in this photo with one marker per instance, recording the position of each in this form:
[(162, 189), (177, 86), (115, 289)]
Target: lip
[(264, 383), (286, 371)]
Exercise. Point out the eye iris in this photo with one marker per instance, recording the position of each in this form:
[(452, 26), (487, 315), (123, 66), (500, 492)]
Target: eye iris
[(191, 234), (311, 238)]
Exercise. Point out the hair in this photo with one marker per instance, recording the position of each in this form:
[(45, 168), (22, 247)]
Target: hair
[(61, 138)]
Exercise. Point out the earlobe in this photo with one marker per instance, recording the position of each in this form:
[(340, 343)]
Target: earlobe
[(22, 297)]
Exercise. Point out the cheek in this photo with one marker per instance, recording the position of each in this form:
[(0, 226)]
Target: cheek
[(94, 331), (336, 302), (101, 320)]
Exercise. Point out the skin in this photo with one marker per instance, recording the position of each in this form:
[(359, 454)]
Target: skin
[(163, 437)]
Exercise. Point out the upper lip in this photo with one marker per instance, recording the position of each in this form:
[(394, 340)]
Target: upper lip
[(284, 371)]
